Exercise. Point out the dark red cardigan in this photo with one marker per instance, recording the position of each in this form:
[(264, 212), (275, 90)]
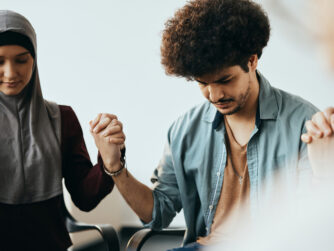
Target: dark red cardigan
[(40, 226)]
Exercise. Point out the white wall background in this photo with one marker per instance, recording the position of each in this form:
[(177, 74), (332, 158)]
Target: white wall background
[(103, 56)]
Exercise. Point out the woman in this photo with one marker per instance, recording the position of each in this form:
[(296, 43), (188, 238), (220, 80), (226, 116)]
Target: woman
[(40, 143)]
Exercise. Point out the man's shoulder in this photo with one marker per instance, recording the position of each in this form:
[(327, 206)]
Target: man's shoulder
[(291, 103), (282, 103)]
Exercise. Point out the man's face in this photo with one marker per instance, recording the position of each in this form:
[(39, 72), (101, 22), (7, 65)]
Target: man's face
[(227, 89)]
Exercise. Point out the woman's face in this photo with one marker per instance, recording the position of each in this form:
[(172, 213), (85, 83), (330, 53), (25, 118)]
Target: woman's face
[(16, 68)]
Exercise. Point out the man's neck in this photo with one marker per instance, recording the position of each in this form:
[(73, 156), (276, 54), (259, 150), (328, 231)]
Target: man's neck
[(247, 113), (242, 123)]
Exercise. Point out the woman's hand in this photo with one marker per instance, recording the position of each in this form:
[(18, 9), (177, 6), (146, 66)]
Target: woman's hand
[(109, 138)]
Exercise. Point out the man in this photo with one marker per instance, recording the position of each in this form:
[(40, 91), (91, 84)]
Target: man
[(218, 154)]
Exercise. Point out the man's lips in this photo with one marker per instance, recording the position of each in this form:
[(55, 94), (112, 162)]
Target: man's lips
[(223, 104)]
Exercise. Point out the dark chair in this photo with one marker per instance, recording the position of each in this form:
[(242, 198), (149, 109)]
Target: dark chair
[(137, 240), (107, 232)]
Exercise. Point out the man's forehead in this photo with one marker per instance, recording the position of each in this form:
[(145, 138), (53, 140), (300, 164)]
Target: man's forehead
[(222, 73)]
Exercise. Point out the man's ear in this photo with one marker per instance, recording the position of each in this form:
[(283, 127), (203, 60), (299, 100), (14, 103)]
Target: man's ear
[(252, 63)]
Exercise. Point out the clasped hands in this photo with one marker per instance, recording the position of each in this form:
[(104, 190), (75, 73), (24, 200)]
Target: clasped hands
[(320, 142), (109, 138)]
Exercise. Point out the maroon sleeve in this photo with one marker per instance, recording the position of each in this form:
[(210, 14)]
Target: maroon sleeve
[(86, 183)]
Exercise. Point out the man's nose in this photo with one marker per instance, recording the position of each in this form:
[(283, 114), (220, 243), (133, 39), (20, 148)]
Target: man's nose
[(216, 92)]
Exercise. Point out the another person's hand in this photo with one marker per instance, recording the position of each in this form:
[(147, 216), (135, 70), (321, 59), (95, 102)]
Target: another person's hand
[(320, 140), (109, 138), (321, 125)]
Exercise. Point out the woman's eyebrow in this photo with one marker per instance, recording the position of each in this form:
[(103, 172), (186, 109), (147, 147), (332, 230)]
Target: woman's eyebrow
[(23, 53)]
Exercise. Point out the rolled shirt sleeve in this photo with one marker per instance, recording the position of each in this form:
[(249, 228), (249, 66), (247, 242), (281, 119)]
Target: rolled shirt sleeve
[(167, 199)]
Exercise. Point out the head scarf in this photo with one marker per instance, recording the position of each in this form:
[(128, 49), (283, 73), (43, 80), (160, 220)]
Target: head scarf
[(14, 38), (30, 155)]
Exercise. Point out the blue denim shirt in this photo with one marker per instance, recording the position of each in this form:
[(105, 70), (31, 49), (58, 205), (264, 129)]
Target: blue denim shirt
[(191, 172)]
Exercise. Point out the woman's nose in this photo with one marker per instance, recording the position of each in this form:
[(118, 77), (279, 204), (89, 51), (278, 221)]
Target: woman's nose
[(9, 71)]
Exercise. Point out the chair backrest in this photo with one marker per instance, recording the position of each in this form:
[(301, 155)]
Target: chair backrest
[(156, 240), (108, 233), (69, 219)]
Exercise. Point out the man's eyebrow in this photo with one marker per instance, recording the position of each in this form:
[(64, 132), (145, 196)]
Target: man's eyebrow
[(201, 82), (222, 79)]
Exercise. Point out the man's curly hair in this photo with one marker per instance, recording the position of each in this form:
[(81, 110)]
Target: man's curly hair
[(206, 35)]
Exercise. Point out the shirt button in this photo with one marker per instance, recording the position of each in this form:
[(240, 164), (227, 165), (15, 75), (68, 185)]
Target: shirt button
[(218, 174), (207, 229), (210, 207)]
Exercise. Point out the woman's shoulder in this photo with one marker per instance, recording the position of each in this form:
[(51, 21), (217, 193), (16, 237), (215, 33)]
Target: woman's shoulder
[(69, 120), (66, 109), (67, 112)]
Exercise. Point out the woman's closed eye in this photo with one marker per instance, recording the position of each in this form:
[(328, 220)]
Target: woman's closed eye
[(22, 59)]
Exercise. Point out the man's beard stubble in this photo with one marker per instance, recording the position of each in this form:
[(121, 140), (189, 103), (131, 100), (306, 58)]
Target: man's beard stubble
[(240, 102)]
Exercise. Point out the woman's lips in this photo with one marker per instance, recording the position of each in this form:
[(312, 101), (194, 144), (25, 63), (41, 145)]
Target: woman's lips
[(11, 84)]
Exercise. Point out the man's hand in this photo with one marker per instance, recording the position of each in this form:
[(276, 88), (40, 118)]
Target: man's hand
[(320, 140), (109, 139)]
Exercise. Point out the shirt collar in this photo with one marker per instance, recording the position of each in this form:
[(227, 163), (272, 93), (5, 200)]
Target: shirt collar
[(267, 107)]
